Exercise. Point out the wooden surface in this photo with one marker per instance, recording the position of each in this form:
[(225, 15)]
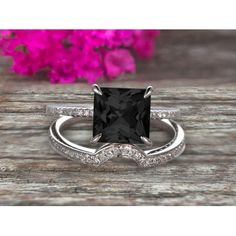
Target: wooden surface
[(192, 70)]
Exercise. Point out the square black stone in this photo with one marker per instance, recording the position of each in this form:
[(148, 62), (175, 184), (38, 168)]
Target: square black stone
[(122, 115)]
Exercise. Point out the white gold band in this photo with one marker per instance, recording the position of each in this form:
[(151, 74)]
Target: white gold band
[(87, 111), (97, 156)]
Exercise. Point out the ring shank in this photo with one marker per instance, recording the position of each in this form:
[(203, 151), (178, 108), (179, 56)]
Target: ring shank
[(96, 156), (86, 110)]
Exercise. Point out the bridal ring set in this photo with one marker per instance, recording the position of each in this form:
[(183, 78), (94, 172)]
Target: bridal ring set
[(121, 126)]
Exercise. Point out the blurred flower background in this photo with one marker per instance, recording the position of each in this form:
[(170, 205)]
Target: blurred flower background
[(66, 55)]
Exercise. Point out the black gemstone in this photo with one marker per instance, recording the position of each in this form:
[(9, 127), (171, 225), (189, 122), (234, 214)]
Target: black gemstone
[(121, 115)]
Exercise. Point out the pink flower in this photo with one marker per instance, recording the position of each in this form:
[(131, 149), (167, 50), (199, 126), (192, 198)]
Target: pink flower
[(144, 43), (118, 62), (67, 55)]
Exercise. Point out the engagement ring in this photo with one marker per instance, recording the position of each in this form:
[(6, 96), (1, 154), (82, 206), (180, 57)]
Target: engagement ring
[(121, 128)]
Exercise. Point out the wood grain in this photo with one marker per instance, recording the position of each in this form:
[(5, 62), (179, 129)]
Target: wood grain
[(192, 70)]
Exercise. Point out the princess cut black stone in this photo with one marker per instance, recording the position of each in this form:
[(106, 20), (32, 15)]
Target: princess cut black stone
[(121, 115)]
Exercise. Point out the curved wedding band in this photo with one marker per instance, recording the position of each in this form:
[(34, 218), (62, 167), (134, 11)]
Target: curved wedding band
[(97, 156)]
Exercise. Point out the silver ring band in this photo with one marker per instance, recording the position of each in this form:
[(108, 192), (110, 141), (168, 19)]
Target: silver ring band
[(87, 111), (97, 156)]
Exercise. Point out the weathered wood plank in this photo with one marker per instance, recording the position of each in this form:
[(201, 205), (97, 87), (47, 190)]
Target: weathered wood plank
[(51, 182), (192, 70)]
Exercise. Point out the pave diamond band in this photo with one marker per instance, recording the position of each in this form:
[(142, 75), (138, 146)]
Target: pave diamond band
[(87, 111), (97, 156)]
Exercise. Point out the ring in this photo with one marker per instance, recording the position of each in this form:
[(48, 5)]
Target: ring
[(86, 110), (121, 125)]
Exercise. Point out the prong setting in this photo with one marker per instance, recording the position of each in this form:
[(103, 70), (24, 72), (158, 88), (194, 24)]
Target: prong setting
[(148, 92), (97, 89), (146, 141), (95, 139)]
